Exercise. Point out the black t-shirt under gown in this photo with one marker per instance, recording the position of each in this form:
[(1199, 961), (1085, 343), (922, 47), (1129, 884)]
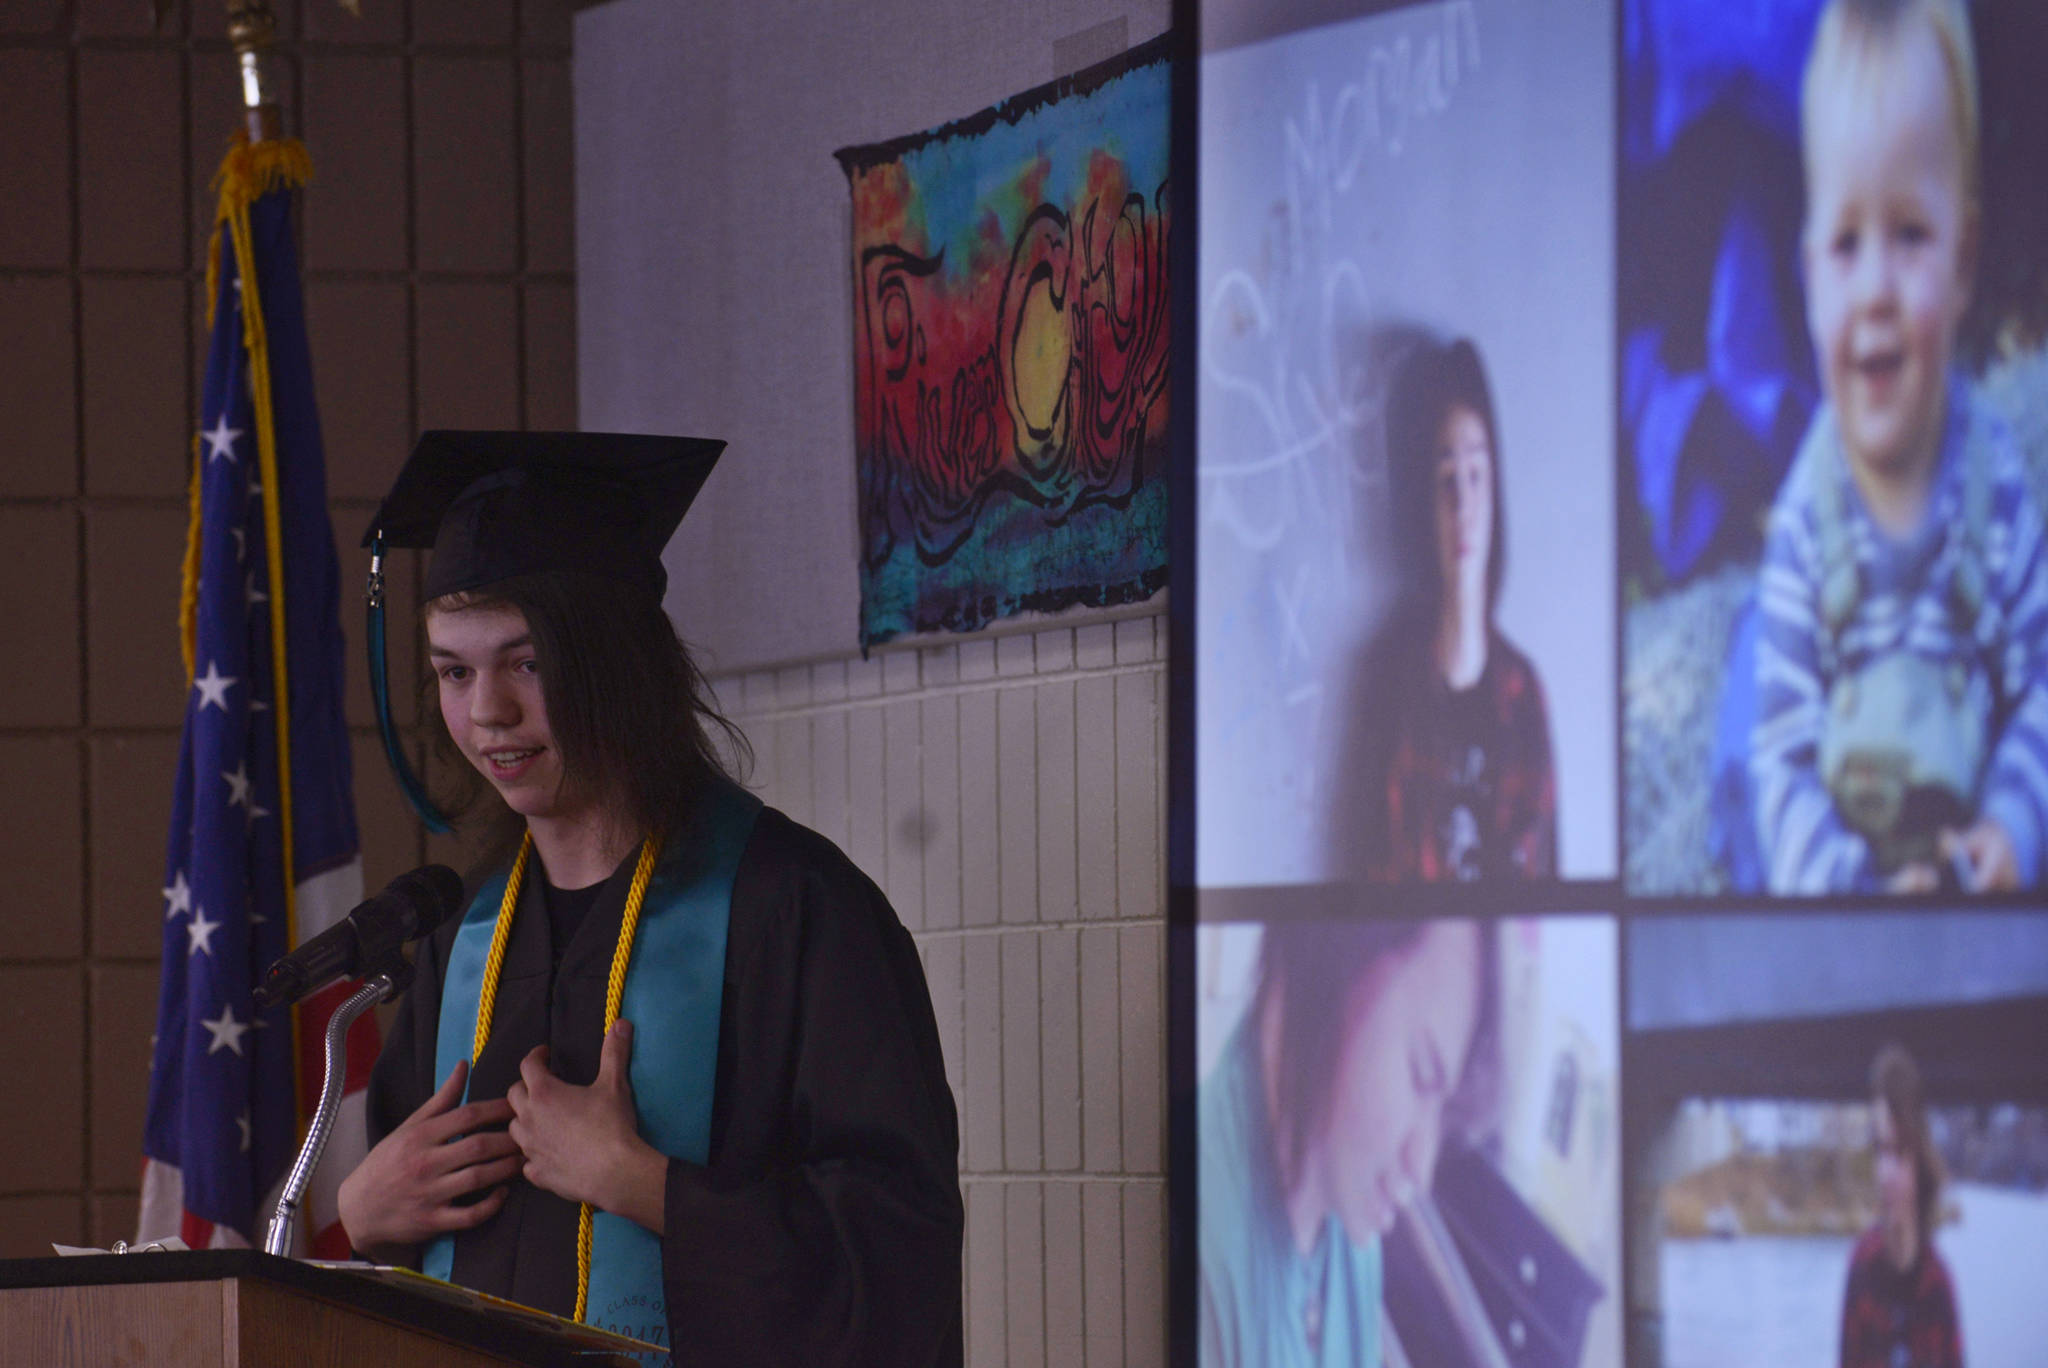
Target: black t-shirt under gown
[(826, 1228)]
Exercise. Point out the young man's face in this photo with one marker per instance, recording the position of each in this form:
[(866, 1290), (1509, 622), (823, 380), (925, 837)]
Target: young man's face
[(1464, 505), (1890, 239), (490, 690)]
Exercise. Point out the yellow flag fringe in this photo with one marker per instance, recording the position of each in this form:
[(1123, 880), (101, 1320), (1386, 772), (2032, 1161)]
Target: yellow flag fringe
[(188, 589)]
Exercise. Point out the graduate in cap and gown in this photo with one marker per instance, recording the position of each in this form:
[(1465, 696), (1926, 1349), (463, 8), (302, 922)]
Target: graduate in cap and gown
[(673, 1070)]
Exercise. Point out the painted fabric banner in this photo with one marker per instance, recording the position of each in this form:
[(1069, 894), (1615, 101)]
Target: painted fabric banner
[(1010, 354)]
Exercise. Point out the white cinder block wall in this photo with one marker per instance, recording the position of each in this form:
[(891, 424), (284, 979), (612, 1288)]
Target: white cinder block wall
[(1008, 794)]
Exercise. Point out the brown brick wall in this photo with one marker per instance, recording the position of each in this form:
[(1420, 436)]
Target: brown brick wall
[(438, 248)]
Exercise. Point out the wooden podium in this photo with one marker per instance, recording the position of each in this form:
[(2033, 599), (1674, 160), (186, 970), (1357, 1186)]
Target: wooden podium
[(242, 1308)]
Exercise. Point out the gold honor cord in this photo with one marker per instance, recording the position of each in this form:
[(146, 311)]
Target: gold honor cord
[(615, 990)]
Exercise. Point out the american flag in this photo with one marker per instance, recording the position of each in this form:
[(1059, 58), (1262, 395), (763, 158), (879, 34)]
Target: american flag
[(228, 1086)]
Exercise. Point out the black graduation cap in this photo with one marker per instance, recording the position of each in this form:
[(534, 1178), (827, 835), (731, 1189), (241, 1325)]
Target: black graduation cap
[(493, 505)]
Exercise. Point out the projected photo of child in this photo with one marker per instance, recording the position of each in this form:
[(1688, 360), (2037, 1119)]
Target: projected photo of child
[(1870, 708), (1838, 1133), (1448, 775), (1408, 1142)]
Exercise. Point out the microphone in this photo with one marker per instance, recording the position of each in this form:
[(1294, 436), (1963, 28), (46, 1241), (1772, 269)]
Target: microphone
[(411, 906)]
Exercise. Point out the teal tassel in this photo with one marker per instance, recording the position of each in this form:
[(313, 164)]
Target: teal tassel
[(380, 694)]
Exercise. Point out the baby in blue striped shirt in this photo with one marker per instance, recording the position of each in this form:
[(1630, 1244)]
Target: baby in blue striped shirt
[(1902, 741)]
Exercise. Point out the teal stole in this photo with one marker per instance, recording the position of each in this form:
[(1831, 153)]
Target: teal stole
[(675, 981)]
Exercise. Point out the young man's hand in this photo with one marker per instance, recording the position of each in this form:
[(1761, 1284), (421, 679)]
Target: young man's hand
[(406, 1189), (584, 1143)]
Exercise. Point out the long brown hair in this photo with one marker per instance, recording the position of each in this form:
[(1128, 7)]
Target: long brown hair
[(1895, 1081), (629, 709)]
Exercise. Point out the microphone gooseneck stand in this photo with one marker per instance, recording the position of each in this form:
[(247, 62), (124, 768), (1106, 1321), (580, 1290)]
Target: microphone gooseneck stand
[(386, 984)]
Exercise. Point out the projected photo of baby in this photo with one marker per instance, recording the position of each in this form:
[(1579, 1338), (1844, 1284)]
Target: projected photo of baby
[(1835, 426), (1409, 1144), (1838, 1133)]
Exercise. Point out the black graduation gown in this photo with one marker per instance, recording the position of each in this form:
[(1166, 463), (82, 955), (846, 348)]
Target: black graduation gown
[(826, 1228)]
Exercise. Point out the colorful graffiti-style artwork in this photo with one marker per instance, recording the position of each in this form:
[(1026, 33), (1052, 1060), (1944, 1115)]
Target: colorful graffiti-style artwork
[(1010, 355)]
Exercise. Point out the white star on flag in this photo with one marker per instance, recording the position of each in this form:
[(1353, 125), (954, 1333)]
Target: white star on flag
[(220, 440), (227, 1032), (213, 686), (250, 592), (247, 1133), (179, 896), (241, 537), (238, 783), (201, 930)]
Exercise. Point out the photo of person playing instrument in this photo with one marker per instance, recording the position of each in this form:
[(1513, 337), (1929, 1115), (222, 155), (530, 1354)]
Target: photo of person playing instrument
[(1901, 740), (1407, 1132), (1366, 1043), (674, 1071)]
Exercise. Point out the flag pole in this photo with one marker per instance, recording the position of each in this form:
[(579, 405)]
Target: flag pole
[(252, 29)]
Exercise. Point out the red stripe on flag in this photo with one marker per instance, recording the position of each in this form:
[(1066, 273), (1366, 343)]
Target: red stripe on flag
[(331, 1243)]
